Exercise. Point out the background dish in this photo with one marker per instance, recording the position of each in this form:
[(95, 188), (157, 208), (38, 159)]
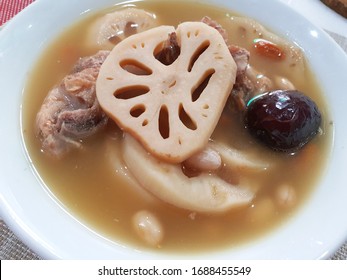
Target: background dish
[(24, 199), (320, 14)]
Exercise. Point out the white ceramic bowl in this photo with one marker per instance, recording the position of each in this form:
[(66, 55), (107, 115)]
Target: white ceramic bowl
[(34, 215)]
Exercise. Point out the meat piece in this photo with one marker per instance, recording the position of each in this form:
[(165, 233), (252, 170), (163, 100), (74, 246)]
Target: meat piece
[(71, 111), (94, 61), (240, 55), (217, 26), (243, 85), (249, 82), (171, 50)]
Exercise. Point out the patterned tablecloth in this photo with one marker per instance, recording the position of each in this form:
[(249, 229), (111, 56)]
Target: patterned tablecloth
[(9, 8), (13, 248)]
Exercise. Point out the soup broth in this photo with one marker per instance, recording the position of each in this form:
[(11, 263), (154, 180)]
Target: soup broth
[(90, 187)]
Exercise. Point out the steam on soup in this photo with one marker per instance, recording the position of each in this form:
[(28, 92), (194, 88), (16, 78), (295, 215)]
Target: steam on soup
[(136, 119)]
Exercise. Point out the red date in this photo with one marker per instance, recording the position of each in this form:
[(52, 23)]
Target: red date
[(268, 49), (284, 120)]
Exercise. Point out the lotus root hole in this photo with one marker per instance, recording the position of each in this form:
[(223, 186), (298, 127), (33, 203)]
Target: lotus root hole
[(172, 84), (186, 119), (163, 122), (167, 54), (115, 39), (130, 28), (135, 67), (145, 122), (137, 110), (198, 52), (202, 84), (131, 92)]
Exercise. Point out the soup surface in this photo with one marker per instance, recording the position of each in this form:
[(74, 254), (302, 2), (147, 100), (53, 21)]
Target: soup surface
[(88, 182)]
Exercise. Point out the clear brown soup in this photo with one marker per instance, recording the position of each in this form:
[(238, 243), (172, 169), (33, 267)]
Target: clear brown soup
[(88, 186)]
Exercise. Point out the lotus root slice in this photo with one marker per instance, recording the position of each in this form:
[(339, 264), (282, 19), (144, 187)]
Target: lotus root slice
[(172, 110)]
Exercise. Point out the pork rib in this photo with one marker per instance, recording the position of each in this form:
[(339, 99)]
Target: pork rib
[(71, 111)]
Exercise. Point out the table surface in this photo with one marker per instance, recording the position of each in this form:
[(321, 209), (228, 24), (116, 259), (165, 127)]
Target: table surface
[(11, 247)]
